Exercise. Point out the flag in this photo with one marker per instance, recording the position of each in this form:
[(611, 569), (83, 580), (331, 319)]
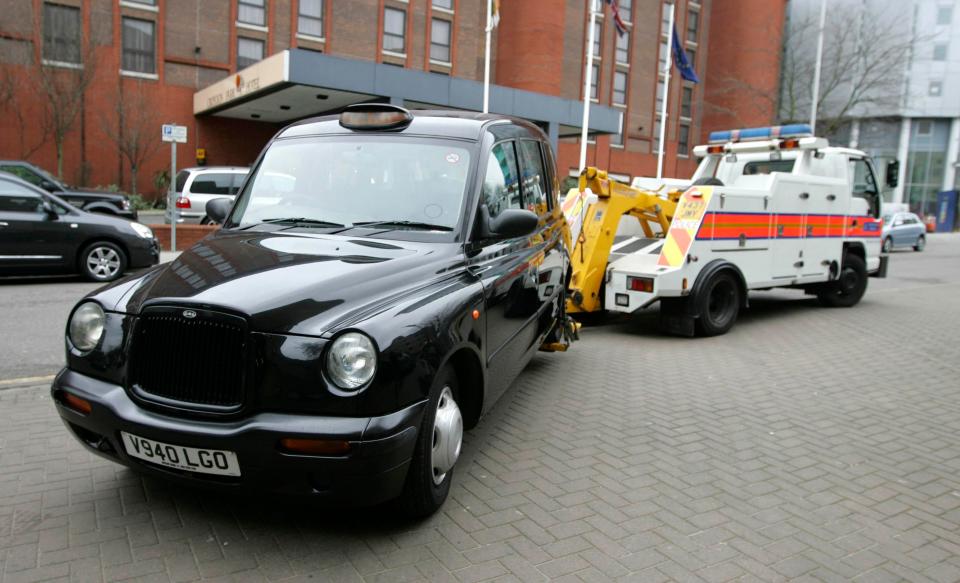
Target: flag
[(617, 21), (681, 60), (495, 18)]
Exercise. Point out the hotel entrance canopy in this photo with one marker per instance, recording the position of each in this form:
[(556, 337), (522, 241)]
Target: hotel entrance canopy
[(297, 83)]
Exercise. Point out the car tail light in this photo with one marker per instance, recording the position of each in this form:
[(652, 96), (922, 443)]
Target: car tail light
[(183, 202), (640, 284)]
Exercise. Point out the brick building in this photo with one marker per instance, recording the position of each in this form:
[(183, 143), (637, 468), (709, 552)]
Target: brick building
[(235, 71)]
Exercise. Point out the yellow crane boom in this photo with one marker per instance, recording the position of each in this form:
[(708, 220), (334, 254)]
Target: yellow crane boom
[(591, 251)]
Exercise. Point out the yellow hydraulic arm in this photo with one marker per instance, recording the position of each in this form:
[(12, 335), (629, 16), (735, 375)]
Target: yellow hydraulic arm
[(591, 251)]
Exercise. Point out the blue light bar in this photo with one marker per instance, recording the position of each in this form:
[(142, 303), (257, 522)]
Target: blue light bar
[(799, 130)]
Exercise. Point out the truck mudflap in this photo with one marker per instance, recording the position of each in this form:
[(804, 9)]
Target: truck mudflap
[(881, 271)]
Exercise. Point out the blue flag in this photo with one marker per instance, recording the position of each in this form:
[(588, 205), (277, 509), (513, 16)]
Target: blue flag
[(681, 60)]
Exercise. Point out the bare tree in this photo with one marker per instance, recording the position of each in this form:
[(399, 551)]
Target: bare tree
[(132, 123), (13, 109), (865, 56), (63, 91)]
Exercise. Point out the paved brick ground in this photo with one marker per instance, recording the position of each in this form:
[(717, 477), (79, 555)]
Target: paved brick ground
[(808, 444)]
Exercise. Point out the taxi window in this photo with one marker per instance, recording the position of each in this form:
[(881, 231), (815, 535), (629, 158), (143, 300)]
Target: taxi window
[(534, 179), (353, 179), (501, 186), (181, 180)]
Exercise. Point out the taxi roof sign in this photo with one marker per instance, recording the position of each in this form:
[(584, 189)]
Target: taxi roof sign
[(375, 116), (799, 130)]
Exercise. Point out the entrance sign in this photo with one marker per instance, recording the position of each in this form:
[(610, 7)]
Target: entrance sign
[(174, 133)]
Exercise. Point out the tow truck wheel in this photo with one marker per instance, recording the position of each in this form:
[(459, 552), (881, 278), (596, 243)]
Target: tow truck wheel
[(921, 243), (849, 286), (718, 305), (436, 451)]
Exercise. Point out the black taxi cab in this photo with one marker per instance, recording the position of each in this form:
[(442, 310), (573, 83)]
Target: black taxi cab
[(380, 280)]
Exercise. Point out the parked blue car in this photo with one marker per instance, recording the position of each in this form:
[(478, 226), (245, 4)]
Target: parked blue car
[(903, 230)]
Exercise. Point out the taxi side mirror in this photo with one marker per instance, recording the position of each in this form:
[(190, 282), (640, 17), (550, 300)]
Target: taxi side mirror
[(218, 209), (510, 223)]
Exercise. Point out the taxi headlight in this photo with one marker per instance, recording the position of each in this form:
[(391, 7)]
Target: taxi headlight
[(351, 360), (142, 230), (86, 326)]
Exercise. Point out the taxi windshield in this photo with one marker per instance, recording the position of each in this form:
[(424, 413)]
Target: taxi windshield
[(348, 181)]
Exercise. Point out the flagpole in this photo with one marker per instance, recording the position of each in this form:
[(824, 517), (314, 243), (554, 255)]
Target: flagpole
[(486, 62), (587, 84), (816, 72), (668, 65)]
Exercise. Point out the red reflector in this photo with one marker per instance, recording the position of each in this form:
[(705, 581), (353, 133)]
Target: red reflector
[(183, 202), (640, 284), (315, 446), (76, 403), (789, 144), (714, 149)]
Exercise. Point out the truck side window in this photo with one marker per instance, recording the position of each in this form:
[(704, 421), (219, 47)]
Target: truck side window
[(501, 186), (534, 179), (865, 185)]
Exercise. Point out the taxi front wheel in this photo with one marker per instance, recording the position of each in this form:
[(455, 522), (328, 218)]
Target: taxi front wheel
[(439, 442)]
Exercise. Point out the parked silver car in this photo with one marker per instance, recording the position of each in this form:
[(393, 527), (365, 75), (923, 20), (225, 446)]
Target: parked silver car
[(903, 230), (196, 186)]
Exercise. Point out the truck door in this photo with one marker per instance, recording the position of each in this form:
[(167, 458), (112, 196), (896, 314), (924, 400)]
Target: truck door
[(789, 207)]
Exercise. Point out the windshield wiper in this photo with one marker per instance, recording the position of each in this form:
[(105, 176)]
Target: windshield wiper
[(409, 224), (297, 222)]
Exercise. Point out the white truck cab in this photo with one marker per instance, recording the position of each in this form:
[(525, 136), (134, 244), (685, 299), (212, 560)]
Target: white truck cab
[(767, 207)]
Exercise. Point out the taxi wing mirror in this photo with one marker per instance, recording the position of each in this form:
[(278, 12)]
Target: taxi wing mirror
[(218, 209), (49, 210), (510, 223)]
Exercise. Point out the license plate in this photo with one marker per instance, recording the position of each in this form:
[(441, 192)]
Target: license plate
[(191, 459)]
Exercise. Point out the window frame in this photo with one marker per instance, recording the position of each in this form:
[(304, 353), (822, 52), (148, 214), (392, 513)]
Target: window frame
[(259, 41), (259, 5), (449, 46), (595, 82), (301, 17), (545, 183), (66, 45), (694, 17), (683, 142), (402, 35), (618, 50), (516, 167), (685, 103), (617, 74), (124, 48)]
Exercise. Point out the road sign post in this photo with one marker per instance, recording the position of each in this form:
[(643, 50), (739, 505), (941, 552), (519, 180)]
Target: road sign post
[(175, 135)]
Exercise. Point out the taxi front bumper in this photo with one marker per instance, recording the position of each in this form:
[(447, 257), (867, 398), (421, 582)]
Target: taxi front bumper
[(373, 471)]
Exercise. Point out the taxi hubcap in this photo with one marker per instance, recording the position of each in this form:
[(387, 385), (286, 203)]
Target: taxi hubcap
[(447, 436), (103, 262)]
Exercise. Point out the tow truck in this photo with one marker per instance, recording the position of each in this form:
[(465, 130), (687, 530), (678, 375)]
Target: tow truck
[(767, 207)]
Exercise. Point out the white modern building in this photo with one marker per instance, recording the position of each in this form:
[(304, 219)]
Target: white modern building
[(920, 127)]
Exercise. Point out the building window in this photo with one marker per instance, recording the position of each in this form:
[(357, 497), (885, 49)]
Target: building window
[(249, 51), (394, 30), (683, 143), (656, 135), (61, 33), (252, 12), (626, 10), (148, 2), (692, 56), (944, 15), (940, 52), (619, 88), (595, 82), (623, 48), (440, 40), (444, 4), (139, 49), (617, 139), (310, 19), (686, 102), (924, 127), (936, 88), (597, 35), (693, 25)]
